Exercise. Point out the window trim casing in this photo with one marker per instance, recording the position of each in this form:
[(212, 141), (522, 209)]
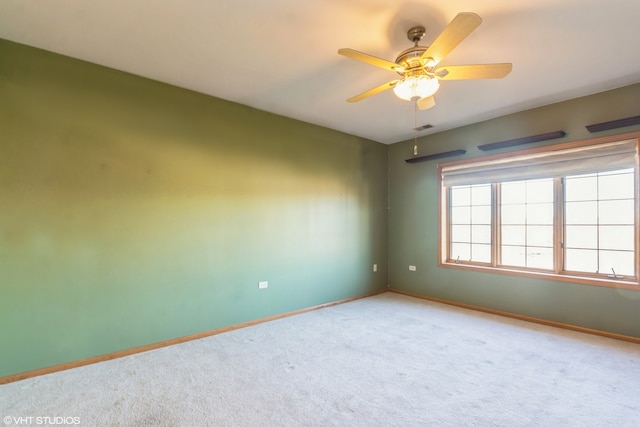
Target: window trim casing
[(558, 274)]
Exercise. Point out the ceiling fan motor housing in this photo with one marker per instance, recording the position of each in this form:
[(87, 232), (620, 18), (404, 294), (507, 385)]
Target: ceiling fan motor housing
[(410, 59)]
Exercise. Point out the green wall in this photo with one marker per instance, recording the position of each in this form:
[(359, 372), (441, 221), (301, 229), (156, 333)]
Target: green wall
[(133, 212), (413, 220)]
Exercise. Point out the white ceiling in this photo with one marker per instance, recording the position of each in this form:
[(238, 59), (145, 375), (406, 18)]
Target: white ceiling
[(281, 55)]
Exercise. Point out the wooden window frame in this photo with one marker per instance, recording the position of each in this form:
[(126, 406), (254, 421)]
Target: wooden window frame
[(557, 274)]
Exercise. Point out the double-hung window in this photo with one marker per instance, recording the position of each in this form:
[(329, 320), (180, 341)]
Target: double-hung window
[(567, 212)]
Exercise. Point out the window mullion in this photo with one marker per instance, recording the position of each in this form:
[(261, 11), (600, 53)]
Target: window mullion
[(495, 225), (558, 226)]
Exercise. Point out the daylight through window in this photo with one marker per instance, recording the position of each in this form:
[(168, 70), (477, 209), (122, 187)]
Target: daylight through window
[(569, 211)]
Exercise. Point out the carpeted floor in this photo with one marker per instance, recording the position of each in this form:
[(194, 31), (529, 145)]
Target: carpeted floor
[(387, 360)]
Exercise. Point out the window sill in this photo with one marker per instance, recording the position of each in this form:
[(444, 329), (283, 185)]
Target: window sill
[(584, 280)]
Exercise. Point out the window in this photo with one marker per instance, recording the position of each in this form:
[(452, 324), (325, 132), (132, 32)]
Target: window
[(526, 223), (568, 212), (471, 223), (599, 222)]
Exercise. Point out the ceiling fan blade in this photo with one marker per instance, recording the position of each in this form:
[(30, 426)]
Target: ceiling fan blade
[(426, 103), (373, 91), (482, 71), (457, 30), (369, 59)]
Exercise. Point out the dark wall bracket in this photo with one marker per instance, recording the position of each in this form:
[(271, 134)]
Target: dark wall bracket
[(435, 156), (524, 140), (614, 124)]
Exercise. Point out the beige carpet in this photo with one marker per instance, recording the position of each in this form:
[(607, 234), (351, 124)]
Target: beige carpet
[(387, 360)]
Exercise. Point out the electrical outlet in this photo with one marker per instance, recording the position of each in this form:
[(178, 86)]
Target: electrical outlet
[(375, 267), (412, 268), (263, 285)]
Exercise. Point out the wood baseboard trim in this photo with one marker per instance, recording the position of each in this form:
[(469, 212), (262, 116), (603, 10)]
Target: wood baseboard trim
[(628, 338), (115, 355)]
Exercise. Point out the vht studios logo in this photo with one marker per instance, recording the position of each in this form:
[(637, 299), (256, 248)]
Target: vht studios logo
[(43, 421)]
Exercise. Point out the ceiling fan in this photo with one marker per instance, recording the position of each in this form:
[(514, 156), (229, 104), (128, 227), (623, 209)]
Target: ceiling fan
[(418, 65)]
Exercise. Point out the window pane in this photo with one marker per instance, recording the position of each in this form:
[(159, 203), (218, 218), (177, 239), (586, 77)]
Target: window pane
[(540, 258), (621, 262), (540, 235), (582, 188), (616, 212), (618, 186), (513, 235), (539, 191), (481, 253), (617, 237), (513, 255), (581, 212), (528, 223), (461, 215), (583, 237), (460, 233), (481, 194), (581, 260), (513, 214), (513, 192), (540, 213), (481, 215), (471, 219), (460, 196), (461, 251), (481, 234)]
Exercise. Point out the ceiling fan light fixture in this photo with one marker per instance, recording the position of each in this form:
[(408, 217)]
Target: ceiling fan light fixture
[(412, 88)]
